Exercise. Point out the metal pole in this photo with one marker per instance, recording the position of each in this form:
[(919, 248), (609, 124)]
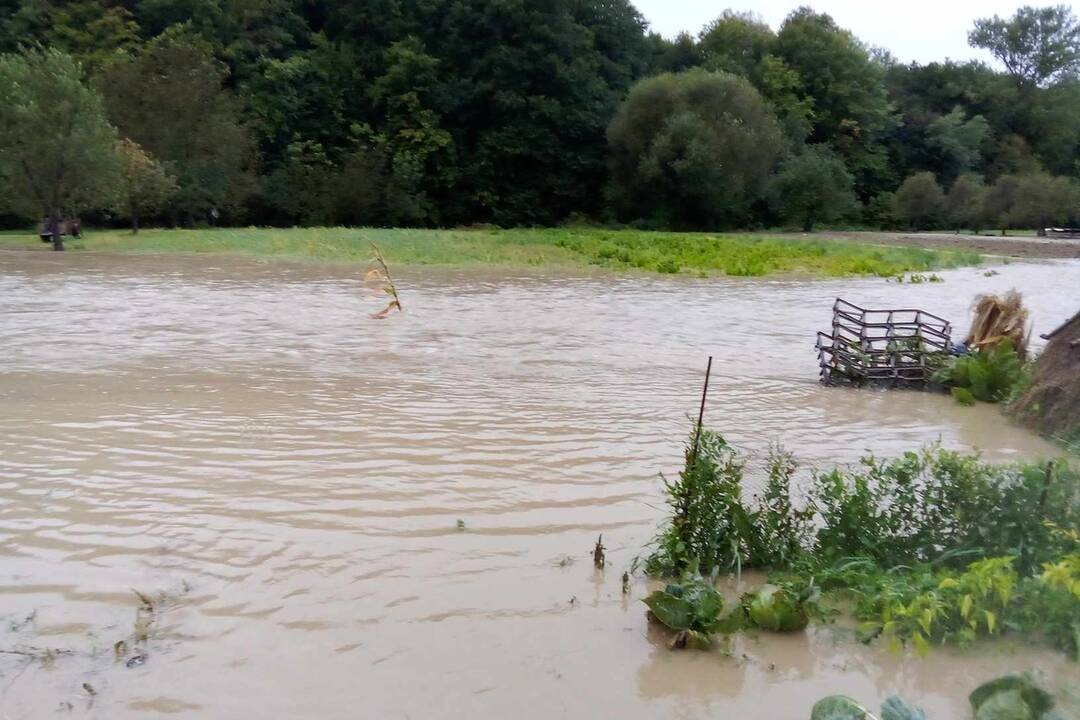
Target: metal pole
[(701, 413)]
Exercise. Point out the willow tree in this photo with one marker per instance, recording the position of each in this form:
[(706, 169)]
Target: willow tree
[(57, 149), (692, 150)]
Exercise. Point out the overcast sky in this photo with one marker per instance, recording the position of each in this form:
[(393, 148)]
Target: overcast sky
[(914, 30)]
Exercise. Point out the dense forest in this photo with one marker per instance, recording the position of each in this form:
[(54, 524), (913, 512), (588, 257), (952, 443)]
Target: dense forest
[(524, 112)]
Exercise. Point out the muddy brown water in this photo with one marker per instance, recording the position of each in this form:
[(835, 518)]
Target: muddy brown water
[(243, 437)]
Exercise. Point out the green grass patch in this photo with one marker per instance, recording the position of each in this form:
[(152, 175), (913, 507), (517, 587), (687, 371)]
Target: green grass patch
[(746, 255)]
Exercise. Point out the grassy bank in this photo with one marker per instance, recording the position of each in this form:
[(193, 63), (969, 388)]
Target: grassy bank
[(698, 253)]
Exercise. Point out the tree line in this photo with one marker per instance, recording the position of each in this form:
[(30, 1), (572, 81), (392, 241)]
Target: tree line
[(521, 112)]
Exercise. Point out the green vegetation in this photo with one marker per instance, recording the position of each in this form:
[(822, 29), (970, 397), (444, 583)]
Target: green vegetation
[(48, 166), (991, 374), (692, 150), (841, 707), (814, 187), (933, 546), (692, 608), (779, 609), (710, 526), (448, 113), (1012, 697), (920, 202), (742, 255)]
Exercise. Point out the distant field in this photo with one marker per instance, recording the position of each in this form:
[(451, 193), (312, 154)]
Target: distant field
[(696, 253)]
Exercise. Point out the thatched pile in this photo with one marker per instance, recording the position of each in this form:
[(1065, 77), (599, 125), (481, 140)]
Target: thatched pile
[(1052, 403), (999, 318)]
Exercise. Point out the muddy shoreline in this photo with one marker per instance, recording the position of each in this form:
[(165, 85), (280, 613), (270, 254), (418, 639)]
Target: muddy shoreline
[(1019, 247)]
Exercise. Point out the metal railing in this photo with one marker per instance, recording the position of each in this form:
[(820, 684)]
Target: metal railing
[(901, 347)]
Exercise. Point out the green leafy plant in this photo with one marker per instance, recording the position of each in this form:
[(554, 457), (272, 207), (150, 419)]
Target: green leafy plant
[(712, 527), (841, 707), (779, 609), (782, 529), (709, 525), (1052, 604), (990, 374), (938, 505), (691, 607), (959, 607), (1011, 697)]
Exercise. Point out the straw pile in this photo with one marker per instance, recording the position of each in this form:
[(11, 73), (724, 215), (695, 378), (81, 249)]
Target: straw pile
[(999, 318)]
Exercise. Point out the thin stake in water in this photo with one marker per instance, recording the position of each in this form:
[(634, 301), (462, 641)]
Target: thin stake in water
[(701, 413)]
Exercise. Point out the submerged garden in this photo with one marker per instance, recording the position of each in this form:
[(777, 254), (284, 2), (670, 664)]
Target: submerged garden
[(240, 476)]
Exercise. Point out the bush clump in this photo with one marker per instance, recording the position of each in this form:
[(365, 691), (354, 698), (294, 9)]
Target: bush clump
[(933, 546), (991, 374)]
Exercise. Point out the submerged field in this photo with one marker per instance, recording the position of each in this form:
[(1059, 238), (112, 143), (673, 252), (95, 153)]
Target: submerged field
[(696, 253), (323, 508)]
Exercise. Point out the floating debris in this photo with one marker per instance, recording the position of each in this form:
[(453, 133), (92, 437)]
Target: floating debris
[(598, 554), (136, 660)]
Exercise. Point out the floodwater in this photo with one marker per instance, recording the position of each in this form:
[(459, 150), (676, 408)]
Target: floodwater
[(291, 474)]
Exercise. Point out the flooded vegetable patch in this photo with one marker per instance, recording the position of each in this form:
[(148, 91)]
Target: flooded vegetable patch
[(398, 518)]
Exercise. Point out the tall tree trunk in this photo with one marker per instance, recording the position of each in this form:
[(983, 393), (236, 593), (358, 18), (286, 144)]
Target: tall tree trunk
[(134, 223), (55, 229)]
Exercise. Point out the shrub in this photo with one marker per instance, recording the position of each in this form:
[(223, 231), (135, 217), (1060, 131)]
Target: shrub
[(991, 374), (709, 526), (938, 504), (782, 529)]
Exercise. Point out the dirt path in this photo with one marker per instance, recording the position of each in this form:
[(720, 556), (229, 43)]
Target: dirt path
[(1028, 247)]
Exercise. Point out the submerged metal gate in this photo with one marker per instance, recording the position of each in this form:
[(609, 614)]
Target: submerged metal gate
[(897, 348)]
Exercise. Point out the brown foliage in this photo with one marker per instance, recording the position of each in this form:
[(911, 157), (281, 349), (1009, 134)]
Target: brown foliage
[(1000, 318)]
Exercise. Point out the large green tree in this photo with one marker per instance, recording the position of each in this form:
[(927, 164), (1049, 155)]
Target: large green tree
[(1043, 200), (170, 99), (958, 142), (845, 86), (736, 43), (920, 201), (1036, 45), (814, 186), (57, 148), (965, 203), (692, 150)]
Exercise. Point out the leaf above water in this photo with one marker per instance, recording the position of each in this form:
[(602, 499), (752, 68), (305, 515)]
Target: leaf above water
[(839, 707)]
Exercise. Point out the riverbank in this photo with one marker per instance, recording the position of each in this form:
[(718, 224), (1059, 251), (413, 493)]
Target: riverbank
[(622, 250), (1018, 245)]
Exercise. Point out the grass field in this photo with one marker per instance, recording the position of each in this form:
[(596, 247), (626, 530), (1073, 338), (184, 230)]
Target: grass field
[(697, 253)]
